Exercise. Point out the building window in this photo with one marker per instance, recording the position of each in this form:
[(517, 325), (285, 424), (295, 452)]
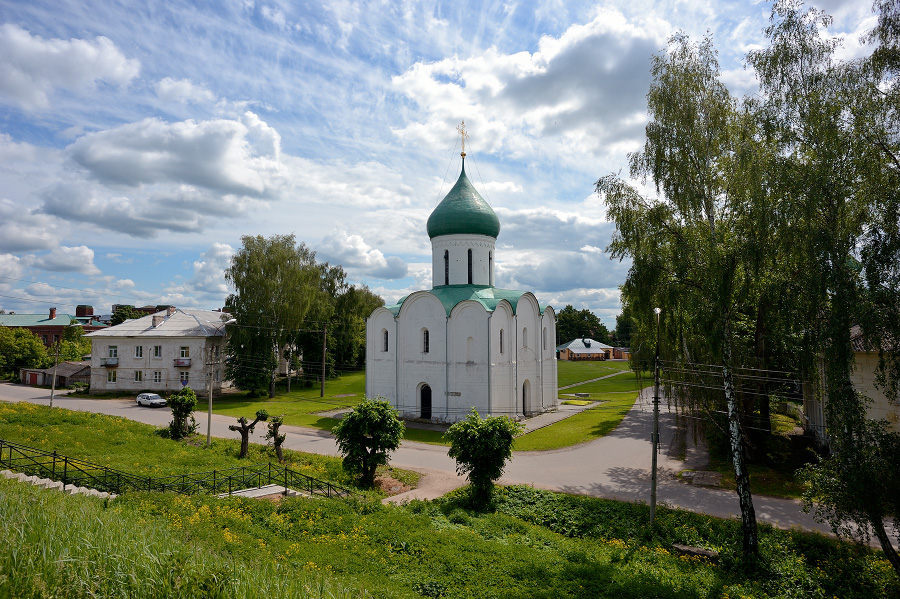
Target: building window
[(157, 351), (491, 268), (110, 376), (524, 337), (470, 349), (44, 339), (185, 352), (138, 376), (544, 339), (113, 351), (501, 341), (218, 374), (185, 374), (446, 267), (157, 376), (55, 338), (470, 266), (139, 351), (425, 341), (216, 351), (384, 335)]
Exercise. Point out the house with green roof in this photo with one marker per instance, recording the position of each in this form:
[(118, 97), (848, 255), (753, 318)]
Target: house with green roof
[(464, 343), (50, 326)]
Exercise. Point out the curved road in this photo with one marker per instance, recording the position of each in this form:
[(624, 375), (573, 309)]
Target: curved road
[(616, 466)]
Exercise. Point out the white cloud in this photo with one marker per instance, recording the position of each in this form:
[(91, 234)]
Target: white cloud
[(236, 157), (356, 256), (209, 271), (182, 90), (78, 259), (21, 231), (33, 67)]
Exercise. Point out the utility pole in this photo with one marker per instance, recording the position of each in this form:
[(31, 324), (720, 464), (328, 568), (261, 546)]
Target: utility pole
[(53, 382), (324, 346), (209, 362), (655, 423)]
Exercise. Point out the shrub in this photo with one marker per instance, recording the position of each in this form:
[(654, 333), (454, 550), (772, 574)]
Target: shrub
[(367, 435), (182, 404), (481, 448)]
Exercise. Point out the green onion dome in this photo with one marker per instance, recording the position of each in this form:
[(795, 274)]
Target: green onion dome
[(463, 212)]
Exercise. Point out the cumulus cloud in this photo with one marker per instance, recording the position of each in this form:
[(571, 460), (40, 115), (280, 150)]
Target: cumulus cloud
[(354, 254), (579, 93), (78, 259), (209, 270), (228, 156), (21, 231), (183, 90), (33, 67)]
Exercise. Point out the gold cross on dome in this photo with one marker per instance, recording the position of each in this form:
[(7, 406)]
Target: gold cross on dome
[(461, 128)]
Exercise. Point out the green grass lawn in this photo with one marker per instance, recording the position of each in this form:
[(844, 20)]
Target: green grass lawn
[(592, 423), (527, 543), (627, 381), (136, 448), (568, 373)]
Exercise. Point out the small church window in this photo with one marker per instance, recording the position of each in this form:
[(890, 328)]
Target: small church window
[(491, 268), (524, 337), (470, 266), (446, 267), (425, 341), (470, 349), (544, 339), (384, 334), (501, 341)]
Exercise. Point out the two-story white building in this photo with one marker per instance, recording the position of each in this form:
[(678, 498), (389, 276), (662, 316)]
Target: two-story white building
[(165, 351)]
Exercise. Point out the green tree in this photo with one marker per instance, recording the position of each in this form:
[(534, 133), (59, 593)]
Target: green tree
[(367, 436), (245, 428), (74, 346), (575, 324), (481, 448), (276, 285), (837, 126), (20, 348), (182, 404), (689, 247), (124, 312)]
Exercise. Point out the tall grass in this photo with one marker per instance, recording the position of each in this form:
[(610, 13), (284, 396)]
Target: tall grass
[(55, 545)]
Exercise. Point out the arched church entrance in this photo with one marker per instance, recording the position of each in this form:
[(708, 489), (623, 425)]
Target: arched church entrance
[(526, 397), (425, 402)]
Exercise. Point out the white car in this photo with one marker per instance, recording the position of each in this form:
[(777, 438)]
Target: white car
[(150, 399)]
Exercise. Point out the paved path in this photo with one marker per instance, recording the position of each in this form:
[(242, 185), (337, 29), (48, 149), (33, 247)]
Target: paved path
[(599, 378), (616, 466)]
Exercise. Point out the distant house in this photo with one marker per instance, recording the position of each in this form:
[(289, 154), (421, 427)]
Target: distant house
[(166, 351), (67, 373), (622, 353), (49, 327), (865, 363), (584, 349)]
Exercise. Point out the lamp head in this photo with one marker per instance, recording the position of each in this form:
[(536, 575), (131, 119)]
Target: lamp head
[(658, 311)]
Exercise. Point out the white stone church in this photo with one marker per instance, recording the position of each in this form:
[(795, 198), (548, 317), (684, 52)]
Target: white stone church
[(463, 343)]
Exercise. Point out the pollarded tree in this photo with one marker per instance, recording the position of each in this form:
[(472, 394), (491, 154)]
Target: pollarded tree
[(275, 437), (367, 436), (182, 404), (245, 428), (481, 448)]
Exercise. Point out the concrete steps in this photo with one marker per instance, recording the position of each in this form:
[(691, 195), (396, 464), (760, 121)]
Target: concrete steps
[(47, 483)]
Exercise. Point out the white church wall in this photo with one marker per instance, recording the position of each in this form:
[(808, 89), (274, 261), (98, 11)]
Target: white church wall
[(548, 363), (468, 360), (381, 365), (458, 247), (503, 384), (422, 311), (528, 354)]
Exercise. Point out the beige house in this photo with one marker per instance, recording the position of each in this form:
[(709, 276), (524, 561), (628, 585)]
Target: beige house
[(865, 364), (162, 352)]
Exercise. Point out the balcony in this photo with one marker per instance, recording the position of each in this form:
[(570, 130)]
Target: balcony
[(182, 362), (109, 362)]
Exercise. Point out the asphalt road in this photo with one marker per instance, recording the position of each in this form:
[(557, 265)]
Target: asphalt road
[(616, 466)]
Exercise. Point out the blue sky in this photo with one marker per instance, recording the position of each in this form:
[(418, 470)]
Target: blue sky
[(140, 141)]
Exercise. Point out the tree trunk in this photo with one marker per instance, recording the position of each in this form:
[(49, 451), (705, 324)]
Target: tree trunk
[(889, 552), (741, 476), (278, 453)]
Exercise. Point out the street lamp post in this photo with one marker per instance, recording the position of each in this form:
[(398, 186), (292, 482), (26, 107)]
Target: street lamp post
[(210, 381), (655, 438)]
